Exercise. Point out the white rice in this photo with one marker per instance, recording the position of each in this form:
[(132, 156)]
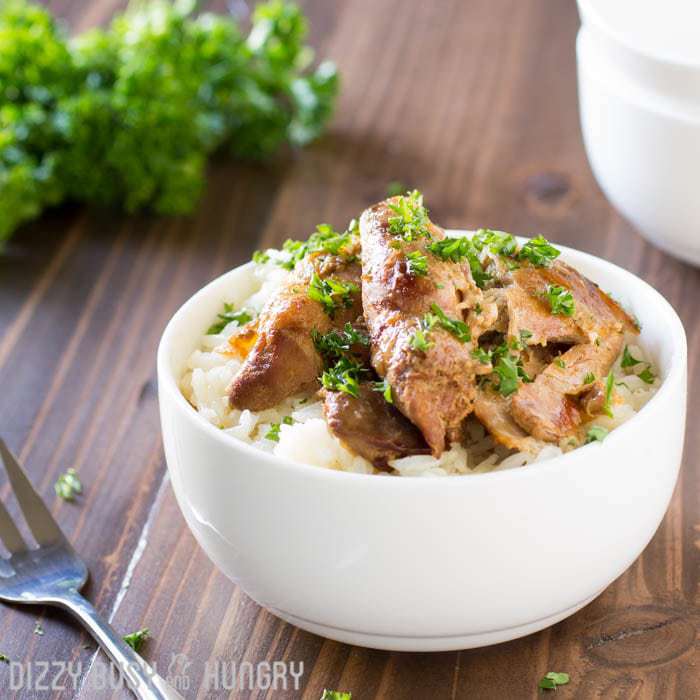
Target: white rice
[(308, 439)]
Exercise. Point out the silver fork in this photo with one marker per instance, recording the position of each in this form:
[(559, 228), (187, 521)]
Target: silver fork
[(52, 574)]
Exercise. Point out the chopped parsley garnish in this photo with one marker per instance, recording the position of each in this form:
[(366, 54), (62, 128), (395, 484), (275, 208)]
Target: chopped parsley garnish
[(647, 376), (4, 659), (324, 240), (335, 344), (482, 355), (417, 264), (410, 220), (478, 309), (419, 339), (525, 335), (596, 433), (498, 242), (551, 680), (68, 485), (385, 388), (344, 376), (335, 695), (228, 316), (136, 639), (331, 293), (458, 329), (539, 251), (589, 378), (609, 388), (560, 363), (456, 249), (508, 372), (395, 188), (628, 360), (274, 432), (560, 300), (260, 257)]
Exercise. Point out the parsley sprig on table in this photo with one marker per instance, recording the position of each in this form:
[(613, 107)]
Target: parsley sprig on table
[(553, 679), (126, 116), (68, 485), (137, 639)]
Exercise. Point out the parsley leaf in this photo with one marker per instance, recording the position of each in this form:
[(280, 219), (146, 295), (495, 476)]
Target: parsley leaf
[(628, 360), (498, 242), (551, 680), (274, 432), (609, 388), (410, 220), (335, 695), (385, 388), (456, 249), (647, 376), (560, 363), (561, 301), (331, 293), (324, 240), (507, 370), (482, 355), (539, 251), (260, 257), (417, 264), (457, 328), (419, 340), (344, 376), (337, 343), (596, 433), (4, 659), (136, 639), (589, 378), (228, 316), (68, 485)]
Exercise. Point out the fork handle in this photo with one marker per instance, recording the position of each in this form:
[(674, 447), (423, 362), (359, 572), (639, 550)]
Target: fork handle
[(140, 677)]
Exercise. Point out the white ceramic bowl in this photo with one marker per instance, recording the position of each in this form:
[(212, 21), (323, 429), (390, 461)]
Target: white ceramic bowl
[(640, 118), (427, 563)]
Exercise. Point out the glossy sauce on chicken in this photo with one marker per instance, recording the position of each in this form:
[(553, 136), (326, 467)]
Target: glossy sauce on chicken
[(427, 362)]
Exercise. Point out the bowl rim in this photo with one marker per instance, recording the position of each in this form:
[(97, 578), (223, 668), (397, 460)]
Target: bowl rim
[(168, 385), (589, 14)]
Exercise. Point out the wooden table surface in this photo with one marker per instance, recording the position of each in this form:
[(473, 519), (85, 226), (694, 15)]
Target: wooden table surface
[(475, 103)]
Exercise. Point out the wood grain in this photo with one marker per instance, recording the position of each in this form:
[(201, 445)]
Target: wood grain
[(473, 102)]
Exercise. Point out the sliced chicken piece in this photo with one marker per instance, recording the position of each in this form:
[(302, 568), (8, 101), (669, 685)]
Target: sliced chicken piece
[(493, 411), (527, 313), (595, 313), (284, 360), (433, 387), (547, 408), (371, 427)]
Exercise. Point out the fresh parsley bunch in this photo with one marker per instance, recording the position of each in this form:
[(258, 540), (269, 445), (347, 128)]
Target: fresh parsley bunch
[(126, 116)]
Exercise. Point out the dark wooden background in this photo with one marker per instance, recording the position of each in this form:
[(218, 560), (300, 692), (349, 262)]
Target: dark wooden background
[(474, 102)]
